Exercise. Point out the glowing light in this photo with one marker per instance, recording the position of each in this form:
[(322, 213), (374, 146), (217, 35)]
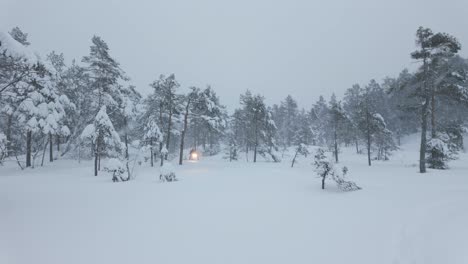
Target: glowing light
[(194, 156)]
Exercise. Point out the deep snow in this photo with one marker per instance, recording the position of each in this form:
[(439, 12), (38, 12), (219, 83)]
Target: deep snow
[(221, 212)]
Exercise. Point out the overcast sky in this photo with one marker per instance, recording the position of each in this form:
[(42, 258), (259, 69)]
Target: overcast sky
[(276, 48)]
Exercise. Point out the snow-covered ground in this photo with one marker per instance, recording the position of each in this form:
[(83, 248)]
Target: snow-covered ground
[(221, 212)]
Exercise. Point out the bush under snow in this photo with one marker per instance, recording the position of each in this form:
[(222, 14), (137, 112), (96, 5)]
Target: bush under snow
[(325, 169), (167, 173), (117, 169)]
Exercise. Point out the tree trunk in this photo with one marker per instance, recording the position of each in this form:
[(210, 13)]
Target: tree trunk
[(126, 146), (182, 136), (256, 138), (51, 148), (422, 149), (96, 157), (28, 148), (336, 146), (433, 116), (434, 154), (357, 146), (255, 153), (424, 112), (255, 147), (44, 151), (294, 159), (8, 134), (247, 151), (152, 154), (95, 163), (368, 140), (323, 183), (58, 143), (168, 133)]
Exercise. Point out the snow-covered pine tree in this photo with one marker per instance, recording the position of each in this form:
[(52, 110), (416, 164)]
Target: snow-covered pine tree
[(319, 120), (269, 148), (236, 128), (164, 103), (103, 138), (152, 137), (105, 74), (432, 48), (285, 117), (19, 67), (369, 119), (207, 121), (78, 87), (259, 127), (383, 138), (232, 152), (188, 100), (128, 109), (336, 125), (447, 110), (33, 102), (351, 106), (403, 119), (302, 137)]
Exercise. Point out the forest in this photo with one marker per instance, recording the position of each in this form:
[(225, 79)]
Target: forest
[(90, 110)]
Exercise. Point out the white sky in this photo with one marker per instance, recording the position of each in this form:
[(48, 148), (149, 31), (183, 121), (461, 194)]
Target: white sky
[(276, 48)]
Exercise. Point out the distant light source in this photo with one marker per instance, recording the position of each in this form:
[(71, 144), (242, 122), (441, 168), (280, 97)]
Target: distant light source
[(194, 156)]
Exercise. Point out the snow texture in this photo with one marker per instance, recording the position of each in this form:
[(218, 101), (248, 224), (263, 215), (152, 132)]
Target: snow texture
[(236, 212)]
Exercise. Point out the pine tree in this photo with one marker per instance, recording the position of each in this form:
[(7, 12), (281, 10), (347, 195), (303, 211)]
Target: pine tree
[(259, 127), (319, 118), (432, 49), (335, 126), (165, 101), (105, 74), (351, 105), (152, 136), (370, 121), (104, 140), (208, 121)]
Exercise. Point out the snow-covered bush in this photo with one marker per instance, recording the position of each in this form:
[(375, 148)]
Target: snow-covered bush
[(117, 169), (342, 183), (445, 146), (326, 169), (440, 152), (167, 173)]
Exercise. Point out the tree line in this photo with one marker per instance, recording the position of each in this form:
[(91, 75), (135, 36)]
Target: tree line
[(89, 109)]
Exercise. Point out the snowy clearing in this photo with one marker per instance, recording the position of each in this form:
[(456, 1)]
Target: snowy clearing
[(221, 212)]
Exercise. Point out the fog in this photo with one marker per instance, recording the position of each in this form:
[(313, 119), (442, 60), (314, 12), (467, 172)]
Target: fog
[(276, 48)]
